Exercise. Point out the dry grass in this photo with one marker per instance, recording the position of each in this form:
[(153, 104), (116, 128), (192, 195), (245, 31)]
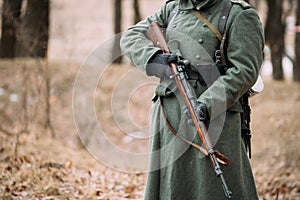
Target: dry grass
[(276, 131)]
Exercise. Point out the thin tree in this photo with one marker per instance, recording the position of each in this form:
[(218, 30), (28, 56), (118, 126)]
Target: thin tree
[(116, 51), (296, 69), (274, 33), (137, 13), (11, 11)]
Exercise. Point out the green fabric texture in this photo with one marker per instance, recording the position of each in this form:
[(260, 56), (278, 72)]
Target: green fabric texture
[(178, 171)]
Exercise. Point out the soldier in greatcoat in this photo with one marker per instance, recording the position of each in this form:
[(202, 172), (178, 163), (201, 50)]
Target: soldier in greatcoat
[(177, 170)]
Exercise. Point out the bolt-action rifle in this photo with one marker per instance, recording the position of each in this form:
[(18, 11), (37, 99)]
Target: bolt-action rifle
[(156, 35)]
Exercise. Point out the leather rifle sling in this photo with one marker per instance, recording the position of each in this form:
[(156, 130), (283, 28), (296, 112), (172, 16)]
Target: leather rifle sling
[(221, 158)]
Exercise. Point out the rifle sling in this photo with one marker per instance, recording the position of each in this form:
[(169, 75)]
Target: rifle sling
[(221, 158)]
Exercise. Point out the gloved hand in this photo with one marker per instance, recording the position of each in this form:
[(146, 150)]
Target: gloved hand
[(158, 65), (201, 111)]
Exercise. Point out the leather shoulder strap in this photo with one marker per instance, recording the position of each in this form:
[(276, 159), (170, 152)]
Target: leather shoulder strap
[(224, 16), (209, 25), (222, 29)]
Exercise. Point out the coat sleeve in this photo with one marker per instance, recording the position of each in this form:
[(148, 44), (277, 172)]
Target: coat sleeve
[(245, 55), (134, 42)]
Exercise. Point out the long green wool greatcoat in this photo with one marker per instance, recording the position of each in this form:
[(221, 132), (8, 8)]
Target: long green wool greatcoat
[(177, 170)]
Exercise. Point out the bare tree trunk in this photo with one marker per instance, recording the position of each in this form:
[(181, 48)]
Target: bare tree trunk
[(137, 13), (274, 32), (10, 18), (48, 123), (296, 69), (34, 30), (116, 51)]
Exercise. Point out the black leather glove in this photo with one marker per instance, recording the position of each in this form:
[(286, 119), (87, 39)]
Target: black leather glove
[(201, 111), (158, 65)]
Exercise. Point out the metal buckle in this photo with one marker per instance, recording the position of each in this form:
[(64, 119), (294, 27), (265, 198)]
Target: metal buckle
[(218, 56)]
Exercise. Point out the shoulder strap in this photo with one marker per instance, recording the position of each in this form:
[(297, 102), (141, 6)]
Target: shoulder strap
[(209, 25), (224, 15), (220, 53)]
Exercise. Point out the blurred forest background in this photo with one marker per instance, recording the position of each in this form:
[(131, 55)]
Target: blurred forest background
[(43, 44)]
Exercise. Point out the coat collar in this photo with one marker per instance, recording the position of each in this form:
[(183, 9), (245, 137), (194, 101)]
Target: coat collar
[(188, 4)]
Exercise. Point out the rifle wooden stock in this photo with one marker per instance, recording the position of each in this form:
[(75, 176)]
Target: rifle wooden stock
[(155, 34)]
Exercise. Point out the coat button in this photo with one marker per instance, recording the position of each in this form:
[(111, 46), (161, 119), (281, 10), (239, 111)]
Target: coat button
[(200, 41), (174, 25), (198, 57)]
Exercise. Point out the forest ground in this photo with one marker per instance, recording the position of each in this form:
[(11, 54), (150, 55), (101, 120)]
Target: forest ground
[(61, 168)]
